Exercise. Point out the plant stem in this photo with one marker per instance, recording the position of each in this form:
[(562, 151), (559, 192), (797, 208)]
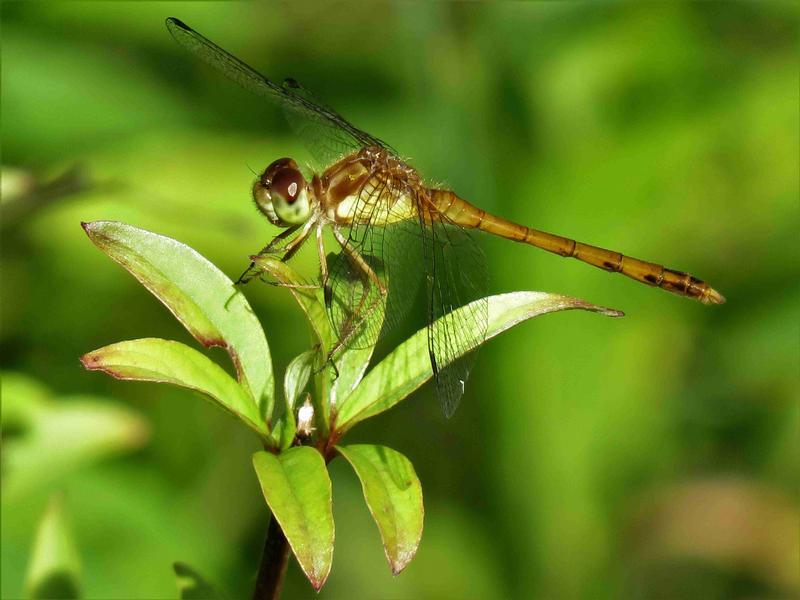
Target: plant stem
[(274, 560)]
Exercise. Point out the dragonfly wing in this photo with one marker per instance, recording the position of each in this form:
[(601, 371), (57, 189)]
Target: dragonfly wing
[(391, 248), (401, 251), (457, 275), (327, 135), (325, 132)]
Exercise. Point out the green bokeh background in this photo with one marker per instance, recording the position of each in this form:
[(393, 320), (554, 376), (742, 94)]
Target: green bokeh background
[(652, 456)]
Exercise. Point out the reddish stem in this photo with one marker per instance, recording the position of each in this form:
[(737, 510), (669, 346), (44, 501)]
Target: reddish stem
[(274, 561)]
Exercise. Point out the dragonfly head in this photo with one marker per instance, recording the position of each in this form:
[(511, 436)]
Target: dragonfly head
[(282, 194)]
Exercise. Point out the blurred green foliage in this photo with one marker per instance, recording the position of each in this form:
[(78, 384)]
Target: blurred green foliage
[(54, 570), (656, 454)]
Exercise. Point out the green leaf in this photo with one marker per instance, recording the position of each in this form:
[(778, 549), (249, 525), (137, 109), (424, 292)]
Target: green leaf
[(394, 497), (283, 431), (408, 366), (54, 570), (294, 382), (308, 299), (164, 361), (298, 491), (200, 296), (192, 585), (297, 375), (352, 358), (351, 363)]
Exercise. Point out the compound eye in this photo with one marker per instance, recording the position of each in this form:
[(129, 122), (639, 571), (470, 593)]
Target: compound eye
[(264, 203), (289, 196), (274, 167), (287, 183)]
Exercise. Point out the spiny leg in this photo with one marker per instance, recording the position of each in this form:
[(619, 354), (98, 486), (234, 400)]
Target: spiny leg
[(289, 250), (369, 277), (323, 268), (327, 293), (358, 260), (292, 286), (270, 248)]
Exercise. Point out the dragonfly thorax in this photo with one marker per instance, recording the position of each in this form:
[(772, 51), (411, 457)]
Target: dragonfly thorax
[(282, 195), (370, 179)]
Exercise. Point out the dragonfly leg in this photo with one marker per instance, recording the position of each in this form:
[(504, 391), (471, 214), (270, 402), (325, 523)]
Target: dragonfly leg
[(247, 275), (292, 286), (354, 327), (369, 278), (289, 249), (358, 260), (273, 246), (329, 362), (323, 266)]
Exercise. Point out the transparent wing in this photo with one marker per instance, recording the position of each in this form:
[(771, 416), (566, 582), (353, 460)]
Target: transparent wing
[(327, 134), (373, 297), (326, 140), (402, 252), (457, 275)]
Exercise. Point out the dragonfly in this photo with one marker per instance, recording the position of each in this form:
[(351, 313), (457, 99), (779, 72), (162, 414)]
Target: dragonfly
[(393, 231)]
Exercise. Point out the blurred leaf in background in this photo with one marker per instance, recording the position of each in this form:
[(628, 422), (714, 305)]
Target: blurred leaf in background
[(45, 439), (192, 586), (666, 130), (54, 570)]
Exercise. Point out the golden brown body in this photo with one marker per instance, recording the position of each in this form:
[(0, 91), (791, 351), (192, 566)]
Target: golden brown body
[(463, 213), (400, 194)]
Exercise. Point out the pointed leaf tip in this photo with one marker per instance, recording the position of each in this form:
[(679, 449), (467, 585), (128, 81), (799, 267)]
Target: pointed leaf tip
[(200, 296), (393, 494), (165, 361), (54, 570), (408, 366)]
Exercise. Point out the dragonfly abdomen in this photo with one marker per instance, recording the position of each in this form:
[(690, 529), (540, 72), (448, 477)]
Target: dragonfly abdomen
[(463, 213)]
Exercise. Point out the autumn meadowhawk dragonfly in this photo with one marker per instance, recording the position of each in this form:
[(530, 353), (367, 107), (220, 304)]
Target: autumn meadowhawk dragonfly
[(393, 231)]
